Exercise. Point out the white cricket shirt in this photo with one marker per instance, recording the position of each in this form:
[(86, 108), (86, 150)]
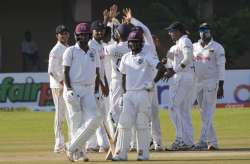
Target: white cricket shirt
[(82, 65), (138, 69), (55, 65), (209, 61)]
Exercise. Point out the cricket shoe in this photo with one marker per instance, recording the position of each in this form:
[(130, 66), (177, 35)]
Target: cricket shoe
[(212, 147), (59, 149), (92, 149), (132, 149), (103, 149), (177, 145), (72, 156), (141, 158), (201, 146), (81, 156), (117, 158)]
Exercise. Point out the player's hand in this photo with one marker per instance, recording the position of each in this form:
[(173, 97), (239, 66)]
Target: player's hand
[(164, 60), (113, 11), (170, 72), (149, 86), (105, 14), (105, 90), (127, 15), (220, 92)]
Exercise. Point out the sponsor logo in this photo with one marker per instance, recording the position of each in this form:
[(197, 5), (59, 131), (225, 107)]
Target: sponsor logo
[(28, 92)]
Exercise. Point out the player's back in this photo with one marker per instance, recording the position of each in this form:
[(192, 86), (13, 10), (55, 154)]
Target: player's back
[(116, 51)]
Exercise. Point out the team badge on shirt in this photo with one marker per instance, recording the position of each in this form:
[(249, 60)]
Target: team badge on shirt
[(140, 61)]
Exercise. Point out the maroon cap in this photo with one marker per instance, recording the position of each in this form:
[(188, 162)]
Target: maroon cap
[(135, 36), (82, 28)]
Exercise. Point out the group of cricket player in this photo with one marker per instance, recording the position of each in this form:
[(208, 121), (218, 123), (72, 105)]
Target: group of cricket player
[(105, 87)]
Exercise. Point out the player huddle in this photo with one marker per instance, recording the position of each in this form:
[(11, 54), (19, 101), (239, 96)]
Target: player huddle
[(105, 87)]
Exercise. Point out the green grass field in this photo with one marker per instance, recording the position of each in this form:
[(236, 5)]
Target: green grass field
[(27, 138)]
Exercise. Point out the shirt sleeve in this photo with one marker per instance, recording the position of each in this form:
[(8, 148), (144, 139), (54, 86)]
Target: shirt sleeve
[(147, 34), (67, 57), (122, 66), (187, 50), (152, 59), (220, 62), (54, 66)]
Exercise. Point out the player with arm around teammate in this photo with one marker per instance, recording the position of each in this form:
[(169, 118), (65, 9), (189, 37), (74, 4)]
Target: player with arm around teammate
[(55, 70), (81, 69), (209, 57), (136, 69), (181, 89)]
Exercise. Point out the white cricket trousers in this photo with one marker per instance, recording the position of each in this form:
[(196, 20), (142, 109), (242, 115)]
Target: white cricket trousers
[(206, 92), (155, 120), (60, 114), (100, 138), (85, 119), (136, 112), (181, 96)]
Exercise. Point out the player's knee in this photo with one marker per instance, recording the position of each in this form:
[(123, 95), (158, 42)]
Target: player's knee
[(142, 121)]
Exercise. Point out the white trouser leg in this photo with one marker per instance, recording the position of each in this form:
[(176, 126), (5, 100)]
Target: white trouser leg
[(101, 136), (155, 120), (59, 116), (186, 119), (92, 142), (208, 104), (92, 121), (115, 96), (142, 125), (133, 138), (126, 121)]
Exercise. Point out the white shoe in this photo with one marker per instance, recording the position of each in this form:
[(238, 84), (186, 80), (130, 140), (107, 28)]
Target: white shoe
[(59, 149), (117, 158), (82, 157), (103, 149), (212, 147), (72, 156), (158, 148), (141, 158)]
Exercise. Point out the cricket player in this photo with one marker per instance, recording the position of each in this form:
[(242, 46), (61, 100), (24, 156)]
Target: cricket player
[(115, 51), (181, 89), (55, 70), (81, 70), (98, 31), (136, 68), (148, 46), (209, 57)]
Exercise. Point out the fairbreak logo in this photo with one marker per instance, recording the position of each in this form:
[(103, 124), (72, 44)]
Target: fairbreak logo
[(28, 91)]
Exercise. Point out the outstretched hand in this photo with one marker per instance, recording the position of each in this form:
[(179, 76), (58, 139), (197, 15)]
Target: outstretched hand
[(127, 15), (113, 11)]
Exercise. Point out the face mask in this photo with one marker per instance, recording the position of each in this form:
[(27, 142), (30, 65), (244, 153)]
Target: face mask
[(205, 35)]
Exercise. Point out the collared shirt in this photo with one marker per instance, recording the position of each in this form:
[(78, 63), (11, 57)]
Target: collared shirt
[(55, 65), (138, 69), (82, 65), (209, 61)]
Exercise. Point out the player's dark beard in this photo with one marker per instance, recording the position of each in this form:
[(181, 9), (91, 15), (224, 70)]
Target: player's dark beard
[(136, 47)]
